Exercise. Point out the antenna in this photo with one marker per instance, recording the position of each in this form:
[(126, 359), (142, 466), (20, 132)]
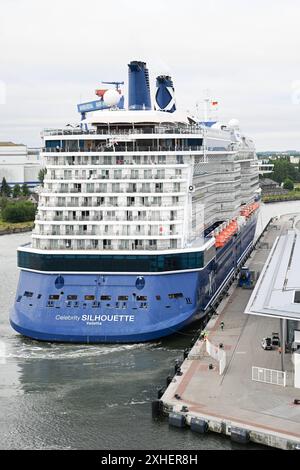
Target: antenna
[(117, 84)]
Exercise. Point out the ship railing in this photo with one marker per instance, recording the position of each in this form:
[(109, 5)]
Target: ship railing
[(132, 131), (107, 219), (124, 149), (114, 162), (99, 247), (67, 205)]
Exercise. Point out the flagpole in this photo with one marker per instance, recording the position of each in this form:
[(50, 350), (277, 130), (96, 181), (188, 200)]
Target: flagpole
[(206, 101)]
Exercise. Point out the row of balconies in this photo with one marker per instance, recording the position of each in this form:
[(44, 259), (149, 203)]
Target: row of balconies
[(134, 201), (124, 147), (109, 233), (109, 245), (128, 231), (116, 130), (117, 160), (85, 176), (100, 218), (114, 188)]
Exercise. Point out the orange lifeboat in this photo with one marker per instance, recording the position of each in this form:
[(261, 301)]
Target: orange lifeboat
[(228, 231), (220, 240), (246, 211)]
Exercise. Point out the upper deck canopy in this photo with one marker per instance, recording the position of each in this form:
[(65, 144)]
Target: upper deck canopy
[(137, 117)]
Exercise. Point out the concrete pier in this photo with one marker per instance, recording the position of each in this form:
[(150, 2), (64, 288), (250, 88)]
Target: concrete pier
[(232, 403)]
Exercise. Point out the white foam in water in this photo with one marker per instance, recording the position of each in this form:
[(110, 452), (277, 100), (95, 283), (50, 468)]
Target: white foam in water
[(64, 351)]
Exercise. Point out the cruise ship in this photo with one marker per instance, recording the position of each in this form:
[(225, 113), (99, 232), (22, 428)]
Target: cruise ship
[(145, 214)]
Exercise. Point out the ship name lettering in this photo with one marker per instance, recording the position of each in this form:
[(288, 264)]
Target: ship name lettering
[(108, 318)]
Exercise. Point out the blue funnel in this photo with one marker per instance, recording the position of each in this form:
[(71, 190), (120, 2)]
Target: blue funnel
[(165, 97), (138, 86)]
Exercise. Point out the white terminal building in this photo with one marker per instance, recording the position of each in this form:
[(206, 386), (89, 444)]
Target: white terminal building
[(20, 164), (277, 292)]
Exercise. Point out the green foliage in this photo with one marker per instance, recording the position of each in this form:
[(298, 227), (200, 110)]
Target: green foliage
[(41, 175), (25, 190), (16, 191), (3, 202), (291, 196), (18, 211), (5, 189), (284, 169), (288, 184)]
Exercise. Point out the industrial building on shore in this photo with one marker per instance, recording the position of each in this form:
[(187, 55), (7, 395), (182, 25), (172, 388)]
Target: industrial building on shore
[(20, 164)]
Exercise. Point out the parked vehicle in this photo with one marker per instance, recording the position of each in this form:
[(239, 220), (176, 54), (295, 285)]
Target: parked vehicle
[(275, 339), (266, 343)]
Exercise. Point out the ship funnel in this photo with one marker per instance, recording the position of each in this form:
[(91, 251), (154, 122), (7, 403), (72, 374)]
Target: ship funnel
[(165, 96), (138, 86)]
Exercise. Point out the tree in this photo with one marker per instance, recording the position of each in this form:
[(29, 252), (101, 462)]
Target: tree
[(288, 184), (284, 169), (18, 211), (25, 190), (16, 191), (3, 202), (41, 175), (5, 190)]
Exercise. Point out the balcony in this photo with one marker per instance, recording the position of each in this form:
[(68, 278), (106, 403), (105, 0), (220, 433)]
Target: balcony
[(110, 130), (120, 149)]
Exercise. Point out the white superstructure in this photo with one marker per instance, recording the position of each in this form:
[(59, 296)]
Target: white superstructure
[(141, 181)]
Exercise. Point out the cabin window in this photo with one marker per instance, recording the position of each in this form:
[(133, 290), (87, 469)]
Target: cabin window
[(141, 298), (89, 297), (72, 297), (54, 297), (28, 294), (177, 295), (105, 297)]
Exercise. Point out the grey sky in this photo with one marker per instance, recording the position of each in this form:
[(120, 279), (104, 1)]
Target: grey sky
[(54, 54)]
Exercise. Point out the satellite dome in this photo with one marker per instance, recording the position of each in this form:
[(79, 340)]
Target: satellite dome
[(111, 97), (234, 123)]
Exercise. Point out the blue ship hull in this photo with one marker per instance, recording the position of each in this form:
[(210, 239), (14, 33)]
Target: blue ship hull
[(146, 314)]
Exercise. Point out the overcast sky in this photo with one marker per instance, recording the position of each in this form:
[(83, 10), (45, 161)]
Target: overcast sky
[(54, 54)]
